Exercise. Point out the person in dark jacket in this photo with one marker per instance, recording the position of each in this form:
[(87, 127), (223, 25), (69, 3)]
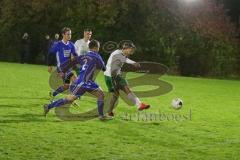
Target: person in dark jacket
[(46, 47), (25, 50), (51, 58)]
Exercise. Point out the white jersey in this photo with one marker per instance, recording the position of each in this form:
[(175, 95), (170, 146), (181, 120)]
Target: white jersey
[(115, 63), (81, 46)]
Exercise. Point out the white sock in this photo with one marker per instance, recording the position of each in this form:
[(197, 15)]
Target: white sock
[(131, 96)]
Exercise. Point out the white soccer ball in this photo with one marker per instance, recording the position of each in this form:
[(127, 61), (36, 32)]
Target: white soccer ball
[(177, 103)]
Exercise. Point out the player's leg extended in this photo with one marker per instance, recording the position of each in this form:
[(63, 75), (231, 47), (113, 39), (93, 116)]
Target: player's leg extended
[(100, 100), (67, 100), (60, 89), (114, 92), (112, 104), (131, 96), (66, 80)]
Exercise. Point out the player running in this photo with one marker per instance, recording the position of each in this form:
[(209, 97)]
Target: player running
[(63, 51), (81, 45), (84, 82), (115, 82)]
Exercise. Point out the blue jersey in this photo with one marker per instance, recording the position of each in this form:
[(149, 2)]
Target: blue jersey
[(64, 52), (84, 82), (89, 63)]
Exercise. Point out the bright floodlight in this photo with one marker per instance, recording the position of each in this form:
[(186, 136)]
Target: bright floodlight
[(190, 0)]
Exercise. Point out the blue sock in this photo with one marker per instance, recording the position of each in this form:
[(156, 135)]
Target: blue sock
[(57, 91), (58, 103), (100, 104)]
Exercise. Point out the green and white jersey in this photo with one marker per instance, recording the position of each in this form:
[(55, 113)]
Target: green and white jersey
[(115, 63)]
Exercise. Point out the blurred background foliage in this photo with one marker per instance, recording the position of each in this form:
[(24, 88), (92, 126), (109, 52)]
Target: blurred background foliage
[(192, 38)]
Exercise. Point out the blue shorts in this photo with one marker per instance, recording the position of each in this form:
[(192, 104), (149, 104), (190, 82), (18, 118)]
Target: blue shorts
[(80, 88), (67, 76)]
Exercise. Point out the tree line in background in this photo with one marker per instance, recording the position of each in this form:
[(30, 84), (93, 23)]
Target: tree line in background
[(192, 39)]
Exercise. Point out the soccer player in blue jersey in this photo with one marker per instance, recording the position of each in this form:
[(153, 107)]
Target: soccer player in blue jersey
[(62, 51), (84, 82)]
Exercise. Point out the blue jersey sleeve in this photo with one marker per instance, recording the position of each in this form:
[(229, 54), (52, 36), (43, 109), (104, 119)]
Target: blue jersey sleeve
[(73, 50), (81, 60), (69, 64), (54, 48), (51, 57), (101, 63)]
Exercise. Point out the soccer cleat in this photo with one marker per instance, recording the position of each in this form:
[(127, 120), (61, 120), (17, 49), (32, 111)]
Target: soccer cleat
[(75, 104), (51, 97), (111, 114), (143, 106), (45, 110), (50, 94), (105, 118)]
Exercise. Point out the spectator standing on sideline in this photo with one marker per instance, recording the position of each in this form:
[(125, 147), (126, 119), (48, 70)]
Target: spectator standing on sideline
[(51, 57), (25, 48), (47, 45), (56, 38)]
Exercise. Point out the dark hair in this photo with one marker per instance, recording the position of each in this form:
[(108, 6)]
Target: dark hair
[(87, 30), (93, 44), (65, 29), (127, 45)]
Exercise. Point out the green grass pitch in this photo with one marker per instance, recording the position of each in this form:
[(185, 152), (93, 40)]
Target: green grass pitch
[(213, 132)]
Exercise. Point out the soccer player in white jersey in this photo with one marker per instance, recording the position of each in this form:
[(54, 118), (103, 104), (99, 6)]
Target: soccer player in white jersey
[(81, 45), (114, 80)]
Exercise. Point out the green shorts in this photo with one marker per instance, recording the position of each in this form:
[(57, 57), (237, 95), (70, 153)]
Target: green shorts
[(115, 83)]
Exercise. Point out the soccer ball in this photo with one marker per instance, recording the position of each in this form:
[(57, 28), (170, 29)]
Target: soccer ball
[(177, 103)]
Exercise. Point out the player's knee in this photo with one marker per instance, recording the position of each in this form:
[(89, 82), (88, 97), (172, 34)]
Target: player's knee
[(126, 89), (70, 98), (101, 96), (65, 86)]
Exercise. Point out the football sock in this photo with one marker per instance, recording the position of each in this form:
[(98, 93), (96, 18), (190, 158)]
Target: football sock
[(57, 91), (100, 104), (112, 103), (131, 96), (58, 103)]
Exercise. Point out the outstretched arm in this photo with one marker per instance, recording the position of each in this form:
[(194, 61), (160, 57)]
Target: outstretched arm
[(101, 63), (129, 61), (51, 57), (71, 63)]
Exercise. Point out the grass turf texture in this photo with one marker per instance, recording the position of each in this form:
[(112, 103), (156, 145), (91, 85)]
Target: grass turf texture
[(212, 132)]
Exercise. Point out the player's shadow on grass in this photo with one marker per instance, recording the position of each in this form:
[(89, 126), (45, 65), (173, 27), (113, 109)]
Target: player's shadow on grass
[(22, 97), (64, 113), (20, 118), (9, 106), (23, 115)]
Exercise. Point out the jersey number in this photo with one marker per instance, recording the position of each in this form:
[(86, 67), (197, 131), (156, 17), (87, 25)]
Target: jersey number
[(85, 64)]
